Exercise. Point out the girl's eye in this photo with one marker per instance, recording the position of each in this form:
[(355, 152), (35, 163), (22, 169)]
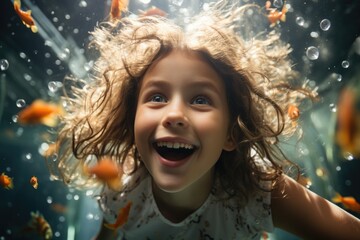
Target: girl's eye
[(201, 101), (157, 98)]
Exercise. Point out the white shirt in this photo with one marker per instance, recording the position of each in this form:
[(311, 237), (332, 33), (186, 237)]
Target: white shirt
[(215, 219)]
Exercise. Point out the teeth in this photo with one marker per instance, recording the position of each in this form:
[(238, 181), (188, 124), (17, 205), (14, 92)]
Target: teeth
[(174, 145)]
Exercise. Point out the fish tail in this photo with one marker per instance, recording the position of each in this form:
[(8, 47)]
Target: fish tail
[(50, 121), (115, 184), (34, 29), (11, 185), (85, 169), (110, 226), (337, 198), (45, 230), (283, 17), (17, 3), (34, 215)]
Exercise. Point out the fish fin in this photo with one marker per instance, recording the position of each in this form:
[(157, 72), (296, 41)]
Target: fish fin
[(283, 17), (11, 184), (337, 198), (17, 3), (34, 29), (115, 184), (110, 226), (85, 169), (50, 121)]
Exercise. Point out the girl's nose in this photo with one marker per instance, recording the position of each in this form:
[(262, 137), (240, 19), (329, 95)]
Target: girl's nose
[(175, 117)]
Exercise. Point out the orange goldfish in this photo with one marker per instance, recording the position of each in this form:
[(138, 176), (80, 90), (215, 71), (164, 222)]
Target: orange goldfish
[(39, 224), (34, 182), (107, 171), (153, 11), (293, 112), (40, 112), (59, 208), (274, 16), (118, 6), (6, 181), (348, 128), (25, 17), (121, 218), (348, 202)]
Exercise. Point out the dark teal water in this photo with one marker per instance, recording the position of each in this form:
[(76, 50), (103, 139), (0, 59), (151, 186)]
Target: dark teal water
[(37, 63)]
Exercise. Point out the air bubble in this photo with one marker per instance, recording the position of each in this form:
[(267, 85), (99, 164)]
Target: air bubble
[(348, 156), (332, 107), (314, 34), (49, 200), (82, 4), (15, 118), (300, 21), (312, 53), (90, 216), (325, 24), (28, 156), (278, 3), (53, 157), (22, 55), (53, 87), (20, 103), (345, 64), (27, 77), (4, 64), (348, 182), (338, 77)]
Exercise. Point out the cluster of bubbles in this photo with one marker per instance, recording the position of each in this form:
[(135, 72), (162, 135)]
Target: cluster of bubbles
[(313, 52)]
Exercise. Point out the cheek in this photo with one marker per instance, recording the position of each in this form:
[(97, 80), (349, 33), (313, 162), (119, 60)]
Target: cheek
[(214, 124), (143, 125)]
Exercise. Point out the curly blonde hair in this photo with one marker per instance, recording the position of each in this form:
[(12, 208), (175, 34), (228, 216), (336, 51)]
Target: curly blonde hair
[(257, 73)]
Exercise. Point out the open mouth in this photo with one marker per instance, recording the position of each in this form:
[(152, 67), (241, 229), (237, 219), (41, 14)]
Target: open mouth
[(174, 151)]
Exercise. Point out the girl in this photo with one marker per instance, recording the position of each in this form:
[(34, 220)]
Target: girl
[(193, 116)]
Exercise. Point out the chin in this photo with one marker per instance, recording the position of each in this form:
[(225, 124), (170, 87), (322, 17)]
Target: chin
[(170, 185)]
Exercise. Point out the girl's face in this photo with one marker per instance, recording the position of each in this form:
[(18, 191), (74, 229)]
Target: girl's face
[(182, 121)]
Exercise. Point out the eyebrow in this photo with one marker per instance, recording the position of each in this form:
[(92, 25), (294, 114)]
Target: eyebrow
[(199, 82), (156, 83)]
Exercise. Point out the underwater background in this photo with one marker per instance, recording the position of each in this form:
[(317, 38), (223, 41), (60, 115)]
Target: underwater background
[(324, 35)]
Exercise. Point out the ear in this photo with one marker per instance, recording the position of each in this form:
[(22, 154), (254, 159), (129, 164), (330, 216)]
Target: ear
[(229, 144)]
